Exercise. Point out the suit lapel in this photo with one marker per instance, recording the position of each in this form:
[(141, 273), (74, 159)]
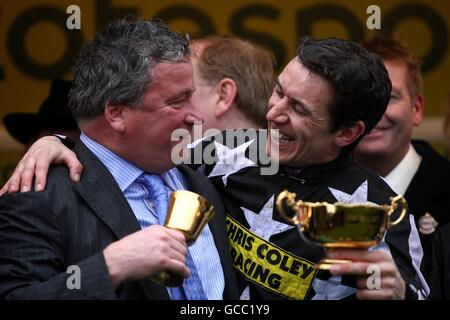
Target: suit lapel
[(99, 189)]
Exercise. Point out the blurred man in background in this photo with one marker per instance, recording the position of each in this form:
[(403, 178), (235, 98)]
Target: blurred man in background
[(411, 167), (234, 79)]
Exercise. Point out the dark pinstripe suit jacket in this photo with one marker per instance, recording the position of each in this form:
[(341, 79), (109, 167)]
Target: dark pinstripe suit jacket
[(41, 234)]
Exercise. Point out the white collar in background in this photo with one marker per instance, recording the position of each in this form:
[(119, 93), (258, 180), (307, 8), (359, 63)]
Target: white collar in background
[(400, 177)]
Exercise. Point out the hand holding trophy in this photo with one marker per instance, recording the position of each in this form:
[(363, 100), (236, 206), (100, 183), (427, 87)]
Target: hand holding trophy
[(339, 225), (188, 213)]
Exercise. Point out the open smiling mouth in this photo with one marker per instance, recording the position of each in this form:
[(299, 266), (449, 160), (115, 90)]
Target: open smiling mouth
[(281, 137), (284, 138)]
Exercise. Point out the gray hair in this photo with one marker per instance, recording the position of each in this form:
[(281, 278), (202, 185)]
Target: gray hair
[(116, 67)]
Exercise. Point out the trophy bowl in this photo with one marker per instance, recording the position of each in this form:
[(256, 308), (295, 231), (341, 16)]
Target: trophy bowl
[(188, 213), (340, 225)]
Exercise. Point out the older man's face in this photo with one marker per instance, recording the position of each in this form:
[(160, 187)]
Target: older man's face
[(166, 107)]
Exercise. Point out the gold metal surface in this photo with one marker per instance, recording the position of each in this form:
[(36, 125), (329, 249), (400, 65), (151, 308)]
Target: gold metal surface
[(340, 225), (188, 213)]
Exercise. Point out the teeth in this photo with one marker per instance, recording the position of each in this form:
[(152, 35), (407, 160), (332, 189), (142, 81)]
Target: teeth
[(285, 137), (277, 135)]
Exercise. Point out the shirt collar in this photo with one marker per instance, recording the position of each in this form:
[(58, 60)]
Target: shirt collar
[(400, 177), (123, 171)]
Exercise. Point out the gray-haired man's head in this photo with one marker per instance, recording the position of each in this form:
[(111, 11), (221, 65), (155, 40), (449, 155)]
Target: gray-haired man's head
[(116, 67)]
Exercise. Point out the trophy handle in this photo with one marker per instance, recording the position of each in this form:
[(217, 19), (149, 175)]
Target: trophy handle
[(288, 198), (395, 201)]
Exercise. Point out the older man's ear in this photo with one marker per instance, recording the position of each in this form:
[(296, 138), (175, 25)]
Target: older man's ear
[(116, 117)]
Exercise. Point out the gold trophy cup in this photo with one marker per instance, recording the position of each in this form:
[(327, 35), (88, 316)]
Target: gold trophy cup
[(340, 225), (188, 213)]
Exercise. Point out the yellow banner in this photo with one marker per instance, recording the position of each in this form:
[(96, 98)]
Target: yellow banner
[(268, 265)]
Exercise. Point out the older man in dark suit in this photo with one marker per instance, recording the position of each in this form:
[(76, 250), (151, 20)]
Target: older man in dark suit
[(132, 88)]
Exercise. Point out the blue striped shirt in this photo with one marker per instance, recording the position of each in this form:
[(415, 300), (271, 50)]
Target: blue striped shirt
[(203, 251)]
